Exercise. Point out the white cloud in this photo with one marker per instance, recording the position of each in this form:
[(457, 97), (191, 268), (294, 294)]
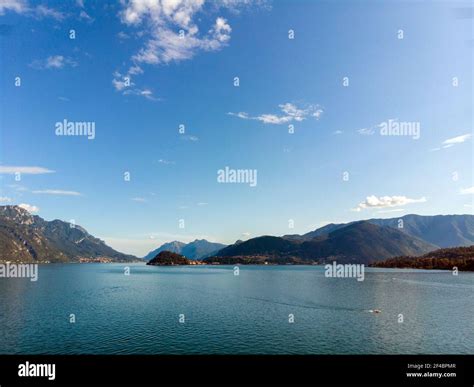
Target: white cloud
[(43, 11), (57, 192), (5, 199), (53, 62), (121, 82), (18, 6), (140, 200), (11, 170), (467, 191), (338, 132), (450, 142), (202, 204), (456, 140), (122, 35), (386, 202), (171, 29), (146, 93), (85, 16), (290, 113), (22, 7), (163, 21), (28, 207), (166, 162), (124, 84), (167, 45)]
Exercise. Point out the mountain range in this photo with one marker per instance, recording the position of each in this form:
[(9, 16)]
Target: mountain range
[(440, 230), (30, 238), (197, 250), (361, 241)]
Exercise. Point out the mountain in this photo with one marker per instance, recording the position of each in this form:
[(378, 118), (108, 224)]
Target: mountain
[(168, 258), (359, 242), (174, 247), (363, 242), (30, 238), (201, 248), (196, 250), (440, 230), (442, 259)]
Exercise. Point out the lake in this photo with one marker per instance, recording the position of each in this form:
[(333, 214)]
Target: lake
[(209, 310)]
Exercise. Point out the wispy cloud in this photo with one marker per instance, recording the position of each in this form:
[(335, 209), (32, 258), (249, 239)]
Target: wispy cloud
[(166, 162), (83, 14), (17, 187), (367, 131), (139, 200), (456, 140), (467, 191), (126, 86), (188, 137), (24, 8), (11, 170), (29, 207), (53, 62), (57, 192), (386, 202), (289, 112), (5, 199), (450, 142), (43, 11), (146, 93)]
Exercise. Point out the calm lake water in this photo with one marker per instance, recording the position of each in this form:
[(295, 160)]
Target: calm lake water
[(227, 314)]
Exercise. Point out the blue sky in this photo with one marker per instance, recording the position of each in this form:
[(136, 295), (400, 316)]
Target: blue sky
[(406, 62)]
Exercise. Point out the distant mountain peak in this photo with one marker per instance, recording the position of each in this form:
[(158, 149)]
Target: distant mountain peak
[(195, 250)]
